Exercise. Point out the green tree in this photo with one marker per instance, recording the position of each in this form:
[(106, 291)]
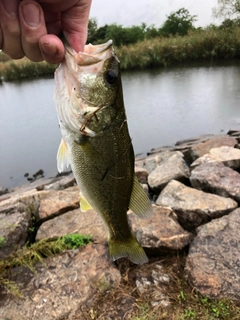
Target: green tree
[(92, 29), (227, 9), (178, 23)]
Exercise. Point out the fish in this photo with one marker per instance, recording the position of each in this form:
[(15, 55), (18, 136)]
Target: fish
[(97, 145)]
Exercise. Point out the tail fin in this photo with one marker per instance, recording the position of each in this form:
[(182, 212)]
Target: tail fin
[(129, 248)]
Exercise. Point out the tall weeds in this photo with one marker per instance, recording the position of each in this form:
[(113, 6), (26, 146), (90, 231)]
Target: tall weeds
[(197, 45), (210, 44)]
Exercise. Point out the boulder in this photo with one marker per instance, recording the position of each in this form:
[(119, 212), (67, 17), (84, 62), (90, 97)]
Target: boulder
[(141, 174), (229, 156), (3, 190), (62, 285), (60, 183), (201, 148), (194, 207), (58, 202), (171, 167), (212, 265), (15, 219), (149, 163), (75, 221), (217, 178), (161, 231)]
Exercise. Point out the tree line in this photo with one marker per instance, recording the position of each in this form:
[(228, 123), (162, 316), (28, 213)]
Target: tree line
[(178, 23)]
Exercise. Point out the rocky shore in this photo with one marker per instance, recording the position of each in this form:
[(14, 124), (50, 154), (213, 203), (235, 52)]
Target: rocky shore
[(195, 190)]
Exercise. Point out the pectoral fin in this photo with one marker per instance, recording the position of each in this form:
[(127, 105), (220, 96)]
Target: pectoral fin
[(84, 205), (63, 160), (139, 202)]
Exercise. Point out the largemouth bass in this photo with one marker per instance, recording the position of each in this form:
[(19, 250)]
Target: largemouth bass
[(97, 145)]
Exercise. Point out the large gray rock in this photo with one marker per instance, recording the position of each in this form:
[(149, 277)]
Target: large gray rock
[(149, 163), (61, 286), (216, 178), (212, 265), (170, 168), (15, 219), (75, 221), (141, 174), (58, 202), (194, 207), (203, 147), (229, 156), (161, 231)]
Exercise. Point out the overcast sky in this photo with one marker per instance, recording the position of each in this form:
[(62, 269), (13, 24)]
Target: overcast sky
[(134, 12)]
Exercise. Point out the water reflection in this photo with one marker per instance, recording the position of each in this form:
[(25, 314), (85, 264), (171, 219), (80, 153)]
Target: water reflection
[(163, 106)]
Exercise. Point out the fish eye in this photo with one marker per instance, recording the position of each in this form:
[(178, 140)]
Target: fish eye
[(111, 77)]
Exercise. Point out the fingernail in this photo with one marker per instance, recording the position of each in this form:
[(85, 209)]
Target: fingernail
[(11, 7), (49, 49), (31, 14)]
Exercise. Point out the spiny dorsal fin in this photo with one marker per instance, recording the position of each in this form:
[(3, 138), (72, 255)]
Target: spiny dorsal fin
[(139, 202), (63, 160)]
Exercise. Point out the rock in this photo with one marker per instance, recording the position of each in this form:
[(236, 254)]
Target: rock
[(172, 167), (3, 191), (85, 223), (213, 266), (217, 178), (154, 282), (62, 285), (141, 174), (194, 207), (168, 235), (58, 202), (15, 219), (149, 163), (200, 149), (61, 183), (229, 156), (161, 231)]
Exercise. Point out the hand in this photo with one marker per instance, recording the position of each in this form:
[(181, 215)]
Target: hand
[(30, 28)]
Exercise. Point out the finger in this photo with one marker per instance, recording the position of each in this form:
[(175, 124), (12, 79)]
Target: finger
[(52, 48), (75, 23), (33, 28), (53, 22), (10, 40)]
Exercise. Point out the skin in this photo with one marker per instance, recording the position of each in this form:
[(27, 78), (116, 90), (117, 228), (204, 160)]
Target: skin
[(31, 28)]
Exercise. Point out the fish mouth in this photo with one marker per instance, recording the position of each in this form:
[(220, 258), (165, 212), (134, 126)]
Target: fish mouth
[(96, 49), (92, 54)]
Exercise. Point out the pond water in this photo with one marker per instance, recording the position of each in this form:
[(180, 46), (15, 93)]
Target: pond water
[(163, 106)]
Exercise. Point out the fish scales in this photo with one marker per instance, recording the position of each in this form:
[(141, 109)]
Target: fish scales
[(97, 145)]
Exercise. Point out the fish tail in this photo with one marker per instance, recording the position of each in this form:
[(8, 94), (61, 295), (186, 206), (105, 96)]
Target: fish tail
[(129, 248)]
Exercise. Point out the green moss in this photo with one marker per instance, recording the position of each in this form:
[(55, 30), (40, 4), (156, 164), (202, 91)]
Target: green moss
[(28, 256), (75, 240), (2, 241)]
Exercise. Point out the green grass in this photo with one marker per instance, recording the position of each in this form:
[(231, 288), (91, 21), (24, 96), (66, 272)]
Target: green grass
[(28, 256), (199, 45), (2, 241)]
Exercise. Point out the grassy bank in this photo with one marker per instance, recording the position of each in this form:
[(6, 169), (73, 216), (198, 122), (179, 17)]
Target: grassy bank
[(209, 45)]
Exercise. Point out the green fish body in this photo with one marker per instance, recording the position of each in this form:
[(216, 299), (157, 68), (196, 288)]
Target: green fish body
[(97, 145)]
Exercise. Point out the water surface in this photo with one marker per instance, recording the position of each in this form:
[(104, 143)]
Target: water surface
[(162, 106)]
